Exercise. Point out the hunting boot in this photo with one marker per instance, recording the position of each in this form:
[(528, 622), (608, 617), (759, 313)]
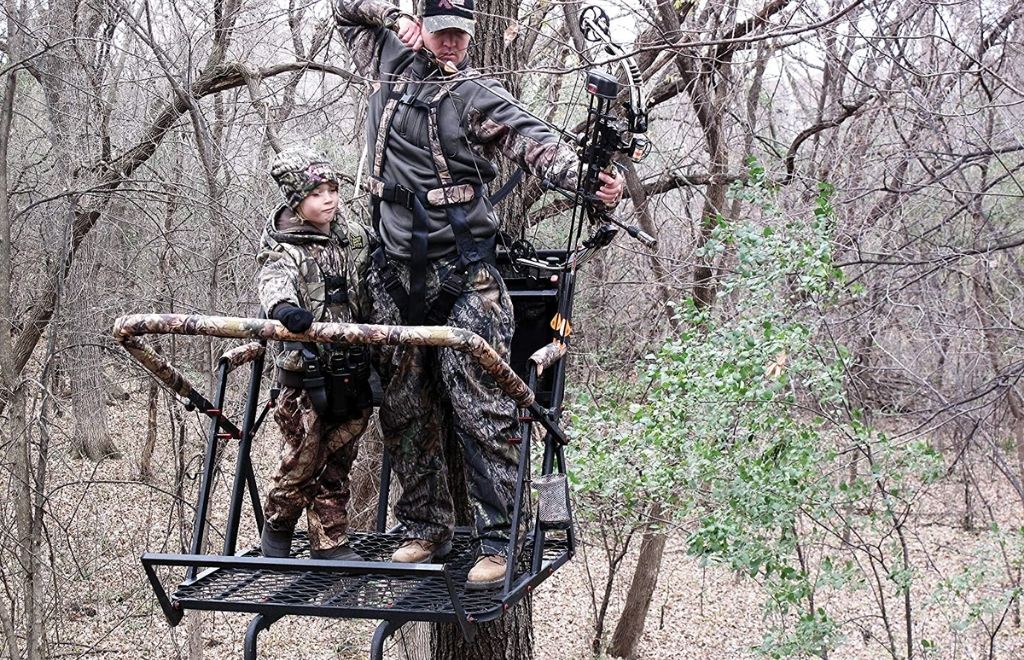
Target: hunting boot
[(343, 552), (275, 543), (420, 551), (487, 573)]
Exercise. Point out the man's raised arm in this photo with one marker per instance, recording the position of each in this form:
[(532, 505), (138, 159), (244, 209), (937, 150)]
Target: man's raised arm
[(366, 27)]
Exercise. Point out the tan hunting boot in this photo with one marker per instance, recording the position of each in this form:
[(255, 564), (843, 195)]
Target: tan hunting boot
[(487, 573), (420, 551)]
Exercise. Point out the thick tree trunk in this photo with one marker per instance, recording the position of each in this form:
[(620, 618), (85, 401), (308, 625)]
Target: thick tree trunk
[(511, 636), (490, 54), (88, 387), (508, 638)]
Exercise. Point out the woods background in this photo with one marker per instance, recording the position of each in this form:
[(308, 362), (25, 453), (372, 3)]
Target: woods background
[(813, 386)]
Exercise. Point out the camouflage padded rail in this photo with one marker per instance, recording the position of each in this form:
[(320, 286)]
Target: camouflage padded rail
[(243, 354), (128, 329)]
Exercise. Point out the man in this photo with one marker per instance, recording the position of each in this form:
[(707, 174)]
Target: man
[(433, 130)]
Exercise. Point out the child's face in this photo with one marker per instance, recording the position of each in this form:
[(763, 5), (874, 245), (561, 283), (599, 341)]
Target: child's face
[(320, 205)]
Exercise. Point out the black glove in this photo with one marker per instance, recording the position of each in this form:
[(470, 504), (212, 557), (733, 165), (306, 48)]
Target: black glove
[(296, 319)]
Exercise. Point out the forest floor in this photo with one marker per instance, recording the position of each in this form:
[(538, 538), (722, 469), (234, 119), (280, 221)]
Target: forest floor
[(102, 518)]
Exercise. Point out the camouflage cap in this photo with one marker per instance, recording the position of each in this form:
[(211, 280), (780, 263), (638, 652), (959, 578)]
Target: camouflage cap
[(299, 171), (444, 14)]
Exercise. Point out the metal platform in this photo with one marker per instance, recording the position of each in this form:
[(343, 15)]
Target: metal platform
[(371, 589)]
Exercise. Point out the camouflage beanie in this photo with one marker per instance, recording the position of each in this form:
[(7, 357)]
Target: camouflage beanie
[(299, 171)]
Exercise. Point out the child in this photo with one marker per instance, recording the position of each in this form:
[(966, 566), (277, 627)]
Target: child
[(312, 268)]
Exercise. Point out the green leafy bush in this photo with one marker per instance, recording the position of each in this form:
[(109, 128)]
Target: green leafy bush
[(740, 426)]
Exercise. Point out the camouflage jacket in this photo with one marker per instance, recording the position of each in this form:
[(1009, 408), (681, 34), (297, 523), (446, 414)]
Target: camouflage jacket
[(477, 119), (324, 274)]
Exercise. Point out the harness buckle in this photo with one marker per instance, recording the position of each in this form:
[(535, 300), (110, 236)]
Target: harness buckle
[(454, 283), (389, 276), (402, 196)]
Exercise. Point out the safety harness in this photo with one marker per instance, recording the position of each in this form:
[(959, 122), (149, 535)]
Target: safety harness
[(452, 197)]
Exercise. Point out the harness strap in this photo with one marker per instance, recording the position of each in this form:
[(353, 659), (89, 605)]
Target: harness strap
[(436, 149), (384, 128), (417, 304), (392, 283), (392, 193), (469, 249), (449, 195), (451, 288), (513, 181), (395, 193)]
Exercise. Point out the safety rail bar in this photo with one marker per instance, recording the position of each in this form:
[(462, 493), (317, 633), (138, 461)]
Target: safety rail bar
[(128, 330), (135, 325)]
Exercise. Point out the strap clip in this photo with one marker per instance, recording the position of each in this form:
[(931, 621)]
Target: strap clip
[(400, 195)]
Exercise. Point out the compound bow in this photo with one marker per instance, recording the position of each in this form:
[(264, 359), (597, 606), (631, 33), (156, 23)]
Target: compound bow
[(606, 135)]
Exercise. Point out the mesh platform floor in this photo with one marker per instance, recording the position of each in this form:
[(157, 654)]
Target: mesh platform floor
[(367, 595)]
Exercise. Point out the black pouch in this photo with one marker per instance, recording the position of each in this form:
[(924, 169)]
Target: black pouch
[(303, 372)]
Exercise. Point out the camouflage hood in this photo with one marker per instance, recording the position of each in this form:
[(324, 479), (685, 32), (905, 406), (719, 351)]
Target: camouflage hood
[(283, 226)]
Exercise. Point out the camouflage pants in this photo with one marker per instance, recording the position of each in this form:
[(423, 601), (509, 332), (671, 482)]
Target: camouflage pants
[(312, 475), (429, 391)]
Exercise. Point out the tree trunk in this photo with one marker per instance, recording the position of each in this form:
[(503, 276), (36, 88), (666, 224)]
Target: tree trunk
[(7, 626), (490, 54), (91, 437), (194, 629), (508, 638), (638, 601), (18, 446), (146, 458), (511, 636), (413, 641), (164, 304), (23, 474)]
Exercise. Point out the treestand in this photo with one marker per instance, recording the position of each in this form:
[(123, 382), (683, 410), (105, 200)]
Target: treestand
[(376, 588)]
